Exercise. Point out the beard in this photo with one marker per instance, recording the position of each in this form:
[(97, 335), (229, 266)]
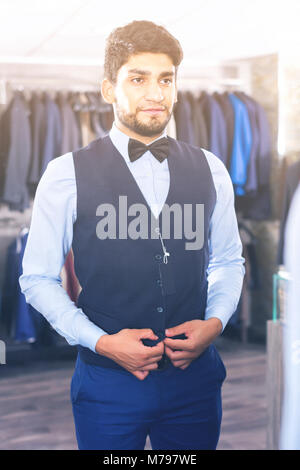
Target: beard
[(150, 129)]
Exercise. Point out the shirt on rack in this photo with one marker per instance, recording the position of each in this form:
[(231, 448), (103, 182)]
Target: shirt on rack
[(49, 243)]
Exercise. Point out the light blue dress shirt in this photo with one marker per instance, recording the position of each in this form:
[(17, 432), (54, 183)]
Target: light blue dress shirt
[(51, 232)]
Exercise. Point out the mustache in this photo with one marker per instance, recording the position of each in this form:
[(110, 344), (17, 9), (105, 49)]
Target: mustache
[(160, 106)]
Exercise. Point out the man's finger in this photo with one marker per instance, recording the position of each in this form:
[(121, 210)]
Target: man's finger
[(156, 349), (183, 344), (181, 364), (146, 333), (154, 359), (177, 355), (151, 366), (176, 330), (140, 374), (185, 366)]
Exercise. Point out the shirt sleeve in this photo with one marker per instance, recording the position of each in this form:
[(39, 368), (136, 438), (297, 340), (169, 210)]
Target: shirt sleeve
[(49, 241), (226, 269)]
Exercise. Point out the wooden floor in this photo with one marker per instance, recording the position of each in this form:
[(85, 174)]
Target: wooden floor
[(35, 409)]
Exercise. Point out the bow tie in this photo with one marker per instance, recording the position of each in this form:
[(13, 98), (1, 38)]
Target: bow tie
[(159, 148)]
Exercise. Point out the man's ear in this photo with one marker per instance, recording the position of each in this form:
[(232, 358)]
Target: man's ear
[(107, 91)]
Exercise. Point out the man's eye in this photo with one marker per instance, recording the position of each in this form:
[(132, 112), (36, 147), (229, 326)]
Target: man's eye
[(167, 81), (138, 80)]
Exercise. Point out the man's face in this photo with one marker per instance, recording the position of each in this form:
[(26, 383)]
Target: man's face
[(145, 93)]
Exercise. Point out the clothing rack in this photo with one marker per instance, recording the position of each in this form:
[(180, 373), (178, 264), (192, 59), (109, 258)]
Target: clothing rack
[(66, 84), (45, 84), (84, 100), (212, 82)]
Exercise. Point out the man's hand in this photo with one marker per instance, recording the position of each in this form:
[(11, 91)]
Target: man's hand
[(127, 349), (199, 333)]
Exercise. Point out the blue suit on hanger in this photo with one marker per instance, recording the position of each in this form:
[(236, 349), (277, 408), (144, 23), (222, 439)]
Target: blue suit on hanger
[(17, 313), (241, 146)]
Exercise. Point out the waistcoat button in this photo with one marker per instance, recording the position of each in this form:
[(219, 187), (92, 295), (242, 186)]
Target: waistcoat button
[(160, 309)]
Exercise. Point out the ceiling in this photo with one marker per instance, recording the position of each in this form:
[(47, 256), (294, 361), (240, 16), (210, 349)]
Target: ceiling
[(74, 31)]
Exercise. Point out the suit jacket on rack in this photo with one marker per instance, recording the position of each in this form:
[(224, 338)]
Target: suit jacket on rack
[(184, 120), (216, 126), (15, 189), (258, 206), (241, 147), (4, 145), (70, 130), (38, 129), (198, 120), (53, 137), (251, 185), (228, 113)]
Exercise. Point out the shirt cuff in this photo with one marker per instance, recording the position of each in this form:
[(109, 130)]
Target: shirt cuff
[(89, 336)]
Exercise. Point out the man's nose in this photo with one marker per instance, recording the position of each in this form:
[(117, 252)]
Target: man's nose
[(154, 93)]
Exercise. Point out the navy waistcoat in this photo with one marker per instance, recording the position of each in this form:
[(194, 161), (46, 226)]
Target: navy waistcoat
[(125, 282)]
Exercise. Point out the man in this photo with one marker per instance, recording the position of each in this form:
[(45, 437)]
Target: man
[(151, 304)]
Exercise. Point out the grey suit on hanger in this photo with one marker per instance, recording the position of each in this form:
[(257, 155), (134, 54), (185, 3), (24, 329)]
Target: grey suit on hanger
[(198, 121), (38, 128), (53, 137), (15, 191), (216, 126), (70, 129)]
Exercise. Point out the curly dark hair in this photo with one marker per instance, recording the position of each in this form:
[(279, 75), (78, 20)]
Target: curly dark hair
[(137, 37)]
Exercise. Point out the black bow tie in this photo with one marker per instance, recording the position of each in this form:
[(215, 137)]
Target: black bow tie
[(159, 148)]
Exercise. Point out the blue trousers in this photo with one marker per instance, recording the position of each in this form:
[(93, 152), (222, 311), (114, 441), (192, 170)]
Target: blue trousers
[(177, 408)]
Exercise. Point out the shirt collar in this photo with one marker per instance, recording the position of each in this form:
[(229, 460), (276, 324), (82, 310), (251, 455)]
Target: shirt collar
[(120, 140)]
